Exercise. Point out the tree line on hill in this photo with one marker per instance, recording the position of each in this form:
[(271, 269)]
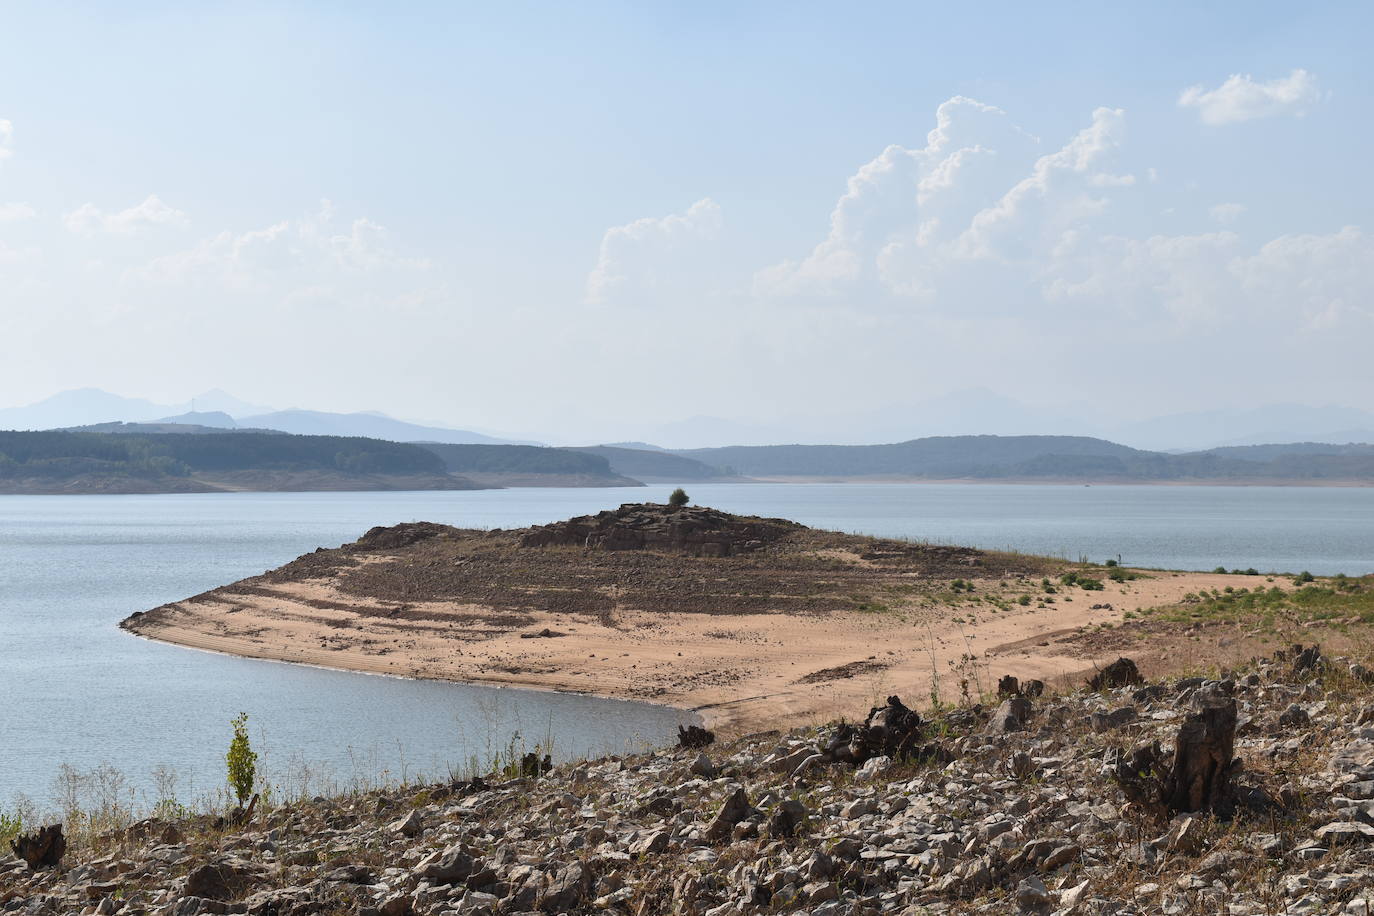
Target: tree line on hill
[(1043, 457), (163, 453), (71, 454)]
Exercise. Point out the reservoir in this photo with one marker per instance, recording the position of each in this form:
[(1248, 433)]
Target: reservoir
[(76, 690)]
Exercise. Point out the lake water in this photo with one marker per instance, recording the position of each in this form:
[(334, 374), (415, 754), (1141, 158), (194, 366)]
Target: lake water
[(74, 689)]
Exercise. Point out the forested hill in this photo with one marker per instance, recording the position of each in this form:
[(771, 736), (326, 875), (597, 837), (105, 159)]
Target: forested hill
[(1034, 457), (939, 456), (650, 465), (105, 462), (527, 465)]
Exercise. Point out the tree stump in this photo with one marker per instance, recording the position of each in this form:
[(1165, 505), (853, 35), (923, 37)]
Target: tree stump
[(1200, 778), (694, 736), (43, 849), (533, 766), (1118, 674)]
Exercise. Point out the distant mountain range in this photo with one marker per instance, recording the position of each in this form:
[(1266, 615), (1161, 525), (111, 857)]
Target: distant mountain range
[(961, 413), (91, 407)]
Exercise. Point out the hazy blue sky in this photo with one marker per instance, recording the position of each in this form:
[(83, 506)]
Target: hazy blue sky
[(541, 218)]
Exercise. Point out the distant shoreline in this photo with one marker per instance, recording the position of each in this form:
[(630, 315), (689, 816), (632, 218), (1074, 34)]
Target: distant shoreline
[(314, 482), (232, 482), (1063, 482)]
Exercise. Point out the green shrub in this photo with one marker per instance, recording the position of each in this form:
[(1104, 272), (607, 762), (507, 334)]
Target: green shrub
[(241, 760), (1303, 578), (10, 826), (678, 498), (1090, 585), (1112, 563), (1220, 570)]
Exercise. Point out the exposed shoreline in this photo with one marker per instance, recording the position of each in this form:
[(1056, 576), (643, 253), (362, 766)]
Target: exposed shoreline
[(741, 670), (1033, 644), (689, 716)]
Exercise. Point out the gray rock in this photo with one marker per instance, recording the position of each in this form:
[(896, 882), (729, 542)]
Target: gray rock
[(735, 809), (703, 767), (1011, 716), (1032, 895), (1345, 832), (787, 817), (651, 843), (448, 866)]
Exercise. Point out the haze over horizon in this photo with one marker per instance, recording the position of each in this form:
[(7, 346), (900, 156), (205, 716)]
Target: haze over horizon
[(966, 413), (624, 221)]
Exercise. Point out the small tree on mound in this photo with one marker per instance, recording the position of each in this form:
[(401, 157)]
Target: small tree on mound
[(241, 760), (678, 499)]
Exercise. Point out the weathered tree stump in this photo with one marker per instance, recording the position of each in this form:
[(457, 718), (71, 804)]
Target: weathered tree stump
[(532, 765), (241, 815), (1200, 779), (891, 730), (694, 736), (1118, 674), (1307, 658), (43, 849)]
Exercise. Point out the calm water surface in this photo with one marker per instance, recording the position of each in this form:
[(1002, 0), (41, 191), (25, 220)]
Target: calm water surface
[(74, 689)]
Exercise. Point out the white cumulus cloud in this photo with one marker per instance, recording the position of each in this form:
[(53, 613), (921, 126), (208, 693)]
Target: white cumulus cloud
[(1242, 98), (309, 259), (6, 139), (16, 212), (89, 219), (649, 258), (981, 226)]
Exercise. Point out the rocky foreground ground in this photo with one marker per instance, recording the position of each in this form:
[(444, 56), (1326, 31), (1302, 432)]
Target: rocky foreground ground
[(1019, 807)]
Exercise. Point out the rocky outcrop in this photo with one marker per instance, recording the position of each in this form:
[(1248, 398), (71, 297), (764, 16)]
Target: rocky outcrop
[(397, 536), (694, 530), (1032, 820)]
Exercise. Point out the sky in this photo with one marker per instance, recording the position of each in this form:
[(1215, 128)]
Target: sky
[(591, 221)]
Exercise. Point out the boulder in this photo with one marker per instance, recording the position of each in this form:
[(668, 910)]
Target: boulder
[(223, 879), (448, 866)]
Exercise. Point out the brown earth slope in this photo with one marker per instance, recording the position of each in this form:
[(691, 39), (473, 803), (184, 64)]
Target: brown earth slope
[(751, 621)]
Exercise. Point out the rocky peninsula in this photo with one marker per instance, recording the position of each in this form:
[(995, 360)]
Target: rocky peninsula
[(751, 622)]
